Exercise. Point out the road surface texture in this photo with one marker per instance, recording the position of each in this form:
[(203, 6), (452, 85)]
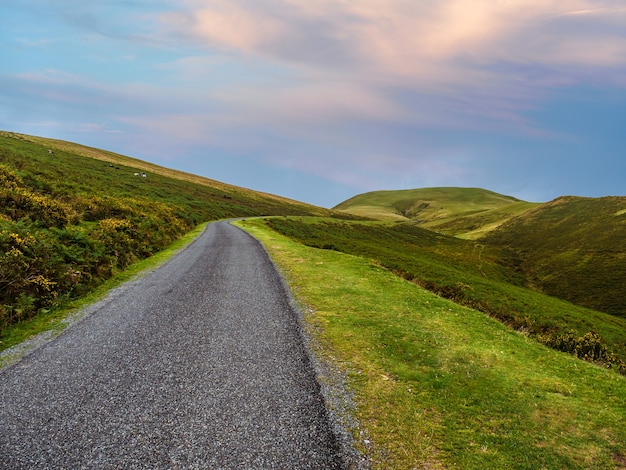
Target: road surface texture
[(199, 364)]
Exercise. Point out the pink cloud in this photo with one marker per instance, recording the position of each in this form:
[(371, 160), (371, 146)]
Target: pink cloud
[(225, 23), (361, 58), (407, 40)]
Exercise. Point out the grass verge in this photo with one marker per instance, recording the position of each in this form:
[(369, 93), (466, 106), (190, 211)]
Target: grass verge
[(53, 320), (439, 385)]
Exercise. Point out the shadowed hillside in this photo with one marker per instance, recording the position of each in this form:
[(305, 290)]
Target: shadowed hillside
[(573, 248)]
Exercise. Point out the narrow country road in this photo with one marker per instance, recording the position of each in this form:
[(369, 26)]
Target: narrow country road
[(200, 364)]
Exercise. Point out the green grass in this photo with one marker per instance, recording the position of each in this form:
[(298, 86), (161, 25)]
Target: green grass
[(471, 274), (574, 248), (438, 385), (255, 198), (75, 170), (476, 225)]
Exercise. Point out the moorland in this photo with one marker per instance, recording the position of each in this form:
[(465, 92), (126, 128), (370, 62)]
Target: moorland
[(475, 330)]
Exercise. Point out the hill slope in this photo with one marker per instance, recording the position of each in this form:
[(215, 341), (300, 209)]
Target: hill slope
[(71, 216), (573, 248), (259, 198), (455, 211), (440, 386)]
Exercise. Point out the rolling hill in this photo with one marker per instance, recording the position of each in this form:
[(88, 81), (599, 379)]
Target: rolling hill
[(255, 198), (573, 248), (466, 212)]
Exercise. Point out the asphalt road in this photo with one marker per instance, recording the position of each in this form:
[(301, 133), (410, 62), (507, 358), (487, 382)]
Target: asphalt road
[(200, 364)]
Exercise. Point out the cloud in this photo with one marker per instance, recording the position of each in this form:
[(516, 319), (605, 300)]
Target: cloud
[(409, 39), (410, 60), (339, 74)]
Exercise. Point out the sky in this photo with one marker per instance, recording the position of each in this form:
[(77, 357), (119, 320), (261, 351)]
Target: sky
[(320, 100)]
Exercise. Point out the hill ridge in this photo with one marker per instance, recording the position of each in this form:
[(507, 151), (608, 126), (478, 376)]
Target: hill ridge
[(117, 158)]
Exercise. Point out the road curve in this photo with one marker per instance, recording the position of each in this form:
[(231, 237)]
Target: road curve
[(200, 364)]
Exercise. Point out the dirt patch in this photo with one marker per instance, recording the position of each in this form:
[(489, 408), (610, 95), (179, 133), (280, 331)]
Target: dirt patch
[(619, 459)]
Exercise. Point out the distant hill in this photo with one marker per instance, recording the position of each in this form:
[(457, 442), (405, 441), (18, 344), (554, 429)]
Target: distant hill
[(573, 248), (469, 212)]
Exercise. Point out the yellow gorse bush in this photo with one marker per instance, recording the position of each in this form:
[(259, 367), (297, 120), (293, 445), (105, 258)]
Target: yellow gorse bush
[(19, 203), (9, 179), (16, 240)]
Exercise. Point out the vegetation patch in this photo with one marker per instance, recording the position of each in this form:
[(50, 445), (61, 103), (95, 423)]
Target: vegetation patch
[(468, 212), (573, 248)]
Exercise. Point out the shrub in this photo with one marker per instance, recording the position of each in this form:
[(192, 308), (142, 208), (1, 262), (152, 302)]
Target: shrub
[(28, 273), (117, 237), (20, 203), (8, 179), (98, 208), (588, 347)]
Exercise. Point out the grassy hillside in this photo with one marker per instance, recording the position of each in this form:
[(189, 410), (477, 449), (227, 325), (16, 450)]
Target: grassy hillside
[(471, 274), (255, 198), (437, 385), (573, 248), (72, 216), (449, 210)]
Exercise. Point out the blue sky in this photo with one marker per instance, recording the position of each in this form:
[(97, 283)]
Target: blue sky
[(319, 100)]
